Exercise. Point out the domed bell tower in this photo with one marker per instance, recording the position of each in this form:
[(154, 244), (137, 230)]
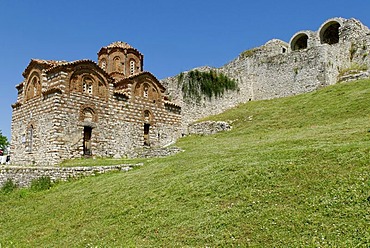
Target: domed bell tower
[(120, 60)]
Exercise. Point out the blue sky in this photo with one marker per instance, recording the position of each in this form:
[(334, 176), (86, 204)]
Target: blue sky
[(173, 35)]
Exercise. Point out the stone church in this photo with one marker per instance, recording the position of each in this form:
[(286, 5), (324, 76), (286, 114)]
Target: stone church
[(80, 109)]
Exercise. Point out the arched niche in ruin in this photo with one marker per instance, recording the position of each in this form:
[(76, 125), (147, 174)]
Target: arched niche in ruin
[(299, 42), (329, 33)]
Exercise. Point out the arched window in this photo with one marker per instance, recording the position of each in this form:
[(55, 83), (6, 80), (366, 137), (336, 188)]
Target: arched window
[(147, 116), (29, 138), (329, 33), (117, 64), (103, 64), (145, 91), (87, 86), (33, 88), (88, 114), (132, 67), (299, 42)]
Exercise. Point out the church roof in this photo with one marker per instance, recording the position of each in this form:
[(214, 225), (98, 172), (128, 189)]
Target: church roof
[(45, 64)]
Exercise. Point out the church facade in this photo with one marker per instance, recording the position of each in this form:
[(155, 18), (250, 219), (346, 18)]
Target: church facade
[(76, 109)]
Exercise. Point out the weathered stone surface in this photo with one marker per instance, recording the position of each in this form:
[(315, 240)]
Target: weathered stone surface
[(23, 175), (311, 60), (209, 127), (122, 103), (68, 110), (153, 152)]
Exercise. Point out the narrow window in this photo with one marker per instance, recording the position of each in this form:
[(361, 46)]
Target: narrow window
[(117, 63), (87, 141), (30, 139), (146, 91), (89, 89), (87, 86), (103, 64), (132, 67), (146, 134)]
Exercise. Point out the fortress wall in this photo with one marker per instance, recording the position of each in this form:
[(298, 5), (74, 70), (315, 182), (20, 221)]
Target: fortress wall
[(278, 69)]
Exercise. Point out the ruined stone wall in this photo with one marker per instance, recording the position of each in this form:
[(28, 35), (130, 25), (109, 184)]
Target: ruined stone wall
[(209, 127), (22, 176), (278, 69)]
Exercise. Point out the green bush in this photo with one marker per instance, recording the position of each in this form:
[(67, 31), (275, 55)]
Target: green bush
[(41, 183), (196, 84), (8, 186)]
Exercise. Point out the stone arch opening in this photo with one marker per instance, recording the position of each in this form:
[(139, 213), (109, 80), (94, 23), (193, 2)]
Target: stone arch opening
[(329, 33), (299, 42)]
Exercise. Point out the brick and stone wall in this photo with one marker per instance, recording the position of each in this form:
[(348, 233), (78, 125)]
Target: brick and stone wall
[(65, 107)]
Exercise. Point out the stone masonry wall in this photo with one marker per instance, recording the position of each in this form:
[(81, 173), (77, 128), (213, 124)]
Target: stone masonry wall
[(23, 176), (208, 127), (276, 70), (58, 120)]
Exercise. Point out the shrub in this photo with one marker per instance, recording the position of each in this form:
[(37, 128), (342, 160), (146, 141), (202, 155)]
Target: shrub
[(41, 183), (194, 84), (8, 186)]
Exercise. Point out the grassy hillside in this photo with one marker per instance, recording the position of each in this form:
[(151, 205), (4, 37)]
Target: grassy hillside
[(293, 172)]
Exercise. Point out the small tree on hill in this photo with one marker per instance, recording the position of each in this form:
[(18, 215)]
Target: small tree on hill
[(3, 142)]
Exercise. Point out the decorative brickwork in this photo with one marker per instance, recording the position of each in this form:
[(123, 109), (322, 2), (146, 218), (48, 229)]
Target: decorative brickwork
[(73, 109)]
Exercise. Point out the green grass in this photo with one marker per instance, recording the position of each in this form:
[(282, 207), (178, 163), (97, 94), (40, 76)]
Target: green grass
[(293, 172), (99, 161)]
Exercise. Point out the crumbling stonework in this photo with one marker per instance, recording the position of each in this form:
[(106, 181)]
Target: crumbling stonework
[(72, 109), (22, 176), (208, 127), (78, 109), (311, 60)]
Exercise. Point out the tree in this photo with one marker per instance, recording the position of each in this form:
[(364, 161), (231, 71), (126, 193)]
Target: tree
[(3, 141)]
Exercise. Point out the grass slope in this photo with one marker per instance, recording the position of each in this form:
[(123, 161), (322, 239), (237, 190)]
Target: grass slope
[(293, 172)]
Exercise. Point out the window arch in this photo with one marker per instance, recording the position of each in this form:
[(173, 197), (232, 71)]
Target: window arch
[(29, 138), (88, 114), (103, 64), (87, 85), (329, 33), (146, 90), (299, 42), (117, 64), (33, 87), (147, 116)]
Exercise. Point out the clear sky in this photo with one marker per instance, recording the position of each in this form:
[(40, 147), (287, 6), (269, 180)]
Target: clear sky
[(173, 35)]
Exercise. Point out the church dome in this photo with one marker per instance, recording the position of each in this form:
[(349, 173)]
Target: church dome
[(119, 44)]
